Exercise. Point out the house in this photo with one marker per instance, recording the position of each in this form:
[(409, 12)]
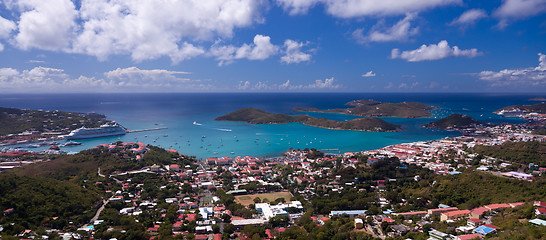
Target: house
[(9, 211), (174, 167), (435, 234), (411, 214), (539, 204), (400, 229), (497, 206), (439, 211), (478, 212), (540, 211), (359, 223), (474, 222), (484, 230), (538, 222), (453, 215)]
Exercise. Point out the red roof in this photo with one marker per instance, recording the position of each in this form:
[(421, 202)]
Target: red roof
[(475, 220), (387, 219), (469, 236), (497, 206), (541, 210), (480, 210), (456, 213)]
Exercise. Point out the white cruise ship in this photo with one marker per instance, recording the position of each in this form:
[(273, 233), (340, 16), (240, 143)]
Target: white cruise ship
[(102, 131)]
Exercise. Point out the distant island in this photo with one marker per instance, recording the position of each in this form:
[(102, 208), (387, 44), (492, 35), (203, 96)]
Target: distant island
[(454, 121), (537, 99), (257, 116), (372, 108), (536, 108)]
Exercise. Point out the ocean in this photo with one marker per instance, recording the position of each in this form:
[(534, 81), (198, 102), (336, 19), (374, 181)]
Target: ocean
[(192, 130)]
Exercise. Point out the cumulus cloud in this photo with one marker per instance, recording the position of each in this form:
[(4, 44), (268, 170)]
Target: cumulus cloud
[(47, 25), (469, 17), (532, 76), (401, 31), (6, 27), (328, 83), (434, 52), (293, 53), (260, 49), (518, 9), (148, 30), (369, 74), (361, 8), (43, 79), (141, 29)]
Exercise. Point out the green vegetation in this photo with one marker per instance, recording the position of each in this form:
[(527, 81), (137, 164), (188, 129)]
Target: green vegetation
[(537, 107), (257, 116), (14, 120), (516, 152), (371, 108), (454, 121), (41, 201)]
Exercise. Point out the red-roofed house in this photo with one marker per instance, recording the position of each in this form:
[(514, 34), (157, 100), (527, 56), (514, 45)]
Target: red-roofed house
[(478, 212), (474, 222), (540, 211), (497, 206), (454, 214), (539, 204)]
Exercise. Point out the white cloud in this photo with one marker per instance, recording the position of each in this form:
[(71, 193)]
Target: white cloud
[(293, 53), (46, 25), (328, 83), (261, 49), (469, 17), (148, 30), (434, 52), (134, 76), (6, 27), (361, 8), (532, 76), (518, 9), (295, 7), (43, 79), (369, 74), (401, 31)]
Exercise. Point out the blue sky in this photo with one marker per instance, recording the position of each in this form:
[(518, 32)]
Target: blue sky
[(273, 46)]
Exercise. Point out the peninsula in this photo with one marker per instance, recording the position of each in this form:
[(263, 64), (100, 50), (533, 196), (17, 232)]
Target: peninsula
[(24, 125), (454, 121), (257, 116), (536, 108), (372, 108)]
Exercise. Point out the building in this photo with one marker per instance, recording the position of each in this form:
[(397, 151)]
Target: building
[(540, 211), (478, 212), (484, 230), (435, 234), (439, 211), (411, 214), (474, 222), (400, 229), (350, 213), (359, 223), (453, 215), (538, 222)]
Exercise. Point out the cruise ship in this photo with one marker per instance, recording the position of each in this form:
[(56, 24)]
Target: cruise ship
[(102, 131)]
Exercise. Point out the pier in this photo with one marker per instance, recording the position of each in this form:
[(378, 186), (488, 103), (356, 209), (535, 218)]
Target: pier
[(145, 130)]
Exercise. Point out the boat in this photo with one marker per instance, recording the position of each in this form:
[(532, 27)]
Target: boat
[(102, 131), (71, 143)]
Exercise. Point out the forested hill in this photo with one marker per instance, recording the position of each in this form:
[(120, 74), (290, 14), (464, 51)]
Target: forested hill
[(257, 116), (537, 107), (68, 188), (372, 108), (516, 152), (14, 120), (454, 121)]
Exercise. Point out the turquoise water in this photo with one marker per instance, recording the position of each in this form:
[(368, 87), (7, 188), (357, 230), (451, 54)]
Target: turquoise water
[(209, 138)]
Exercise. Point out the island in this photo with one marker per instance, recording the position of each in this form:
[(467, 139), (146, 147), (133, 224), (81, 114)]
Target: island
[(24, 125), (257, 116), (372, 108), (454, 121), (537, 99)]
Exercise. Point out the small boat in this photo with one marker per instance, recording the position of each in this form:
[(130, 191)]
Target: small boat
[(71, 143)]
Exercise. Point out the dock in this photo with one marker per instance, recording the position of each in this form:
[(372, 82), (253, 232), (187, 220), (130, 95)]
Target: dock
[(145, 130)]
